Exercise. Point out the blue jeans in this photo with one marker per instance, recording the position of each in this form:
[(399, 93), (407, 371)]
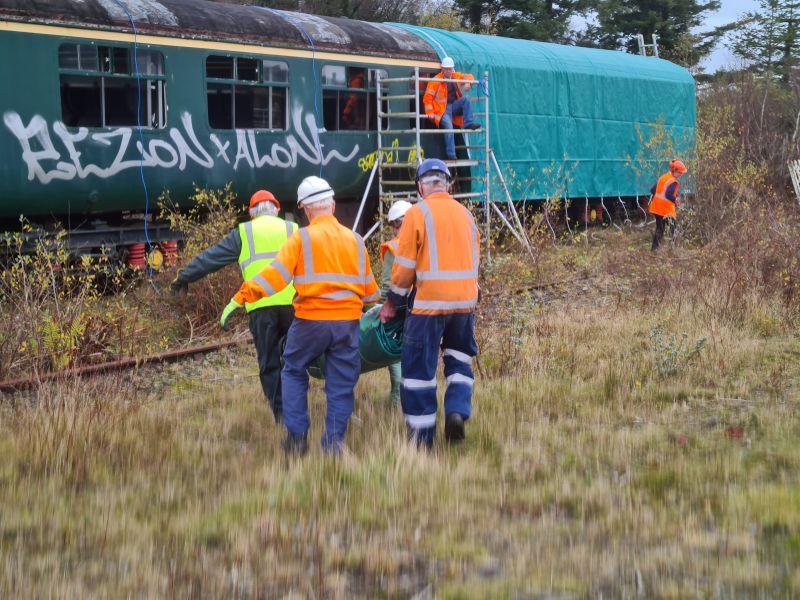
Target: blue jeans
[(463, 107), (307, 340), (423, 335)]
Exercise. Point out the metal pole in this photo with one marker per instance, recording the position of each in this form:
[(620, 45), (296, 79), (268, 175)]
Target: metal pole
[(417, 115), (513, 210), (487, 166), (371, 231), (379, 158), (364, 197)]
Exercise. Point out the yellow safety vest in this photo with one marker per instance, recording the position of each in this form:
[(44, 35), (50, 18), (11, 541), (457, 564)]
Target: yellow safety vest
[(261, 239)]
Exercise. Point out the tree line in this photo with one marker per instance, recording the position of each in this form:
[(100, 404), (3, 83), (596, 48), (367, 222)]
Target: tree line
[(766, 40)]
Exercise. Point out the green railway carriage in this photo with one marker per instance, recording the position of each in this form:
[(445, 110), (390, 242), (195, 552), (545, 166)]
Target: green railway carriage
[(228, 94), (262, 98)]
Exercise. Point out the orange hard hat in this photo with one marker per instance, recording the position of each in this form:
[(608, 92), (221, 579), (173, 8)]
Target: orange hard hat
[(677, 165), (264, 196)]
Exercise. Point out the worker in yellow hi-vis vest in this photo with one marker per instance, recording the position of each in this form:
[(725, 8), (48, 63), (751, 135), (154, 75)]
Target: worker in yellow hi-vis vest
[(254, 245)]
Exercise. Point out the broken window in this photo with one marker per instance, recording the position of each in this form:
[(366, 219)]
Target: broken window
[(246, 93), (348, 98), (100, 86)]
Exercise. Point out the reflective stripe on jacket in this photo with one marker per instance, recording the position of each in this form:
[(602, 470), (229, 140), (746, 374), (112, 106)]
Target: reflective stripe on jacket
[(261, 239), (660, 205), (438, 254), (435, 98), (331, 273)]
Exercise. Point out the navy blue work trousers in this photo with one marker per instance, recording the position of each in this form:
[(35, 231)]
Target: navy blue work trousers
[(269, 326), (423, 336), (306, 341)]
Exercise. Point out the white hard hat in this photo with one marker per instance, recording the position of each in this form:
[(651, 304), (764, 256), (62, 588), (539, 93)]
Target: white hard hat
[(447, 63), (313, 189), (398, 210)]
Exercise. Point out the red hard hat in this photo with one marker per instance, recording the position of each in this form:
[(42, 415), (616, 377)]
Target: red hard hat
[(264, 196), (677, 165)]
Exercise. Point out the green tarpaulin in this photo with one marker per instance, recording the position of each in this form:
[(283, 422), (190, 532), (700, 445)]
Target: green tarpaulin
[(379, 345), (571, 121)]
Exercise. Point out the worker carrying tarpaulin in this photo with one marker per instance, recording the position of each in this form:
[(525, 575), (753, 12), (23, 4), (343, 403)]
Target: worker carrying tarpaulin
[(380, 344), (397, 213), (437, 257), (254, 244), (446, 104), (665, 200), (331, 272)]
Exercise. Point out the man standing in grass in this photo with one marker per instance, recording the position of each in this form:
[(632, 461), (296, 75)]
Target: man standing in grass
[(665, 200), (437, 257), (331, 273), (254, 244)]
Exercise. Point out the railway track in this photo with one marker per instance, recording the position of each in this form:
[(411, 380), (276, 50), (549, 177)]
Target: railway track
[(12, 385)]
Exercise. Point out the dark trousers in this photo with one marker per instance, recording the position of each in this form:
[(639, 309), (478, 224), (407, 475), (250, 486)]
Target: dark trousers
[(661, 224), (269, 326), (423, 337), (307, 340)]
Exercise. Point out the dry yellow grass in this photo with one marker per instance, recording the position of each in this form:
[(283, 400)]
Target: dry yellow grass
[(586, 473)]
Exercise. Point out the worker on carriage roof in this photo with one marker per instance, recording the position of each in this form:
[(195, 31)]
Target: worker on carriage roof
[(446, 104)]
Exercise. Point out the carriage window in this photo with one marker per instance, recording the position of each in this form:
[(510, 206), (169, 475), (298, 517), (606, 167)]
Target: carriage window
[(348, 98), (99, 86), (247, 93)]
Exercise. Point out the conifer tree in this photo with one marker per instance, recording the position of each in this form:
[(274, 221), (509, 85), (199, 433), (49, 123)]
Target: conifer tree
[(673, 21), (769, 38)]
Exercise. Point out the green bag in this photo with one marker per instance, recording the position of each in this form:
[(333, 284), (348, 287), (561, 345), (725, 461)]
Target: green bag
[(379, 345)]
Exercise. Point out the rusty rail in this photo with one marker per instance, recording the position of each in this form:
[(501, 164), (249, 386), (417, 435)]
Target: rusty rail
[(119, 365)]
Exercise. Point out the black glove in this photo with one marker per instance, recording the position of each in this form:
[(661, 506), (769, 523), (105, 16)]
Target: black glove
[(178, 287)]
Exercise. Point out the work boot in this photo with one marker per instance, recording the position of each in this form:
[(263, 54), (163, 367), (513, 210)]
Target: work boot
[(472, 126), (295, 444), (422, 439), (454, 428)]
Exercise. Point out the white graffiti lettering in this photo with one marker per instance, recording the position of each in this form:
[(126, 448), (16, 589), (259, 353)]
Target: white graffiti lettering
[(46, 163)]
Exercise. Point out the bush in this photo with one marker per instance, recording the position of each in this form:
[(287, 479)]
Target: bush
[(212, 215)]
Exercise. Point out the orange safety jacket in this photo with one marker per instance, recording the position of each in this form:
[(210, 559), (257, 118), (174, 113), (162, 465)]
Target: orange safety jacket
[(438, 254), (660, 205), (391, 246), (328, 264), (435, 98)]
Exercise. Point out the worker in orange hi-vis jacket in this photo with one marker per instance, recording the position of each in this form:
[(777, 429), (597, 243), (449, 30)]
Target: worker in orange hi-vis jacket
[(331, 273), (437, 257), (665, 199), (446, 104)]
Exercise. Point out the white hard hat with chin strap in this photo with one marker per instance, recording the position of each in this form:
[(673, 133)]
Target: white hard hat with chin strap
[(313, 189)]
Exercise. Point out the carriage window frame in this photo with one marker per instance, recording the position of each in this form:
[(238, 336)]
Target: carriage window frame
[(278, 89), (336, 93), (107, 68)]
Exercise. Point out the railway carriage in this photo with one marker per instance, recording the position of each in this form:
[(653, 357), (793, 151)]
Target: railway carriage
[(107, 103)]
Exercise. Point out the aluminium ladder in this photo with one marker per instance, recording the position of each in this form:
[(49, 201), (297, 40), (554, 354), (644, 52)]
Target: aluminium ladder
[(400, 148), (397, 160)]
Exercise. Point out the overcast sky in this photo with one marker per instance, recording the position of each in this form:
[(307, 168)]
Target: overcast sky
[(730, 11)]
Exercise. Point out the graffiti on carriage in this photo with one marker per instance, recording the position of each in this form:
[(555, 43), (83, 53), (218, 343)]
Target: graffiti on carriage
[(55, 152)]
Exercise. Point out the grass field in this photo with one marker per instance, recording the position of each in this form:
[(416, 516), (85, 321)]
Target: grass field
[(629, 439)]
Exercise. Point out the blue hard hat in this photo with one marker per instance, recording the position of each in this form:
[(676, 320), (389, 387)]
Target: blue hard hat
[(432, 164)]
